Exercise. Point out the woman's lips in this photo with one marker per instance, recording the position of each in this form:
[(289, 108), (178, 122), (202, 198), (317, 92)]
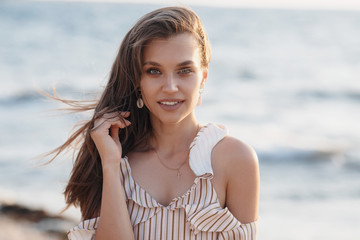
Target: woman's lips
[(170, 105)]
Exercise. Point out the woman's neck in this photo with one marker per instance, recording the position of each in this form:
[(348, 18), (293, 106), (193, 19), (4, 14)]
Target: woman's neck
[(175, 137)]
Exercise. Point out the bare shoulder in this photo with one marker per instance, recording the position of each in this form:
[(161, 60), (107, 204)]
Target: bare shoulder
[(237, 162), (231, 152)]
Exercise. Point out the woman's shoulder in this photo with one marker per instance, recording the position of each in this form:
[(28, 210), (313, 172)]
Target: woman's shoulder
[(236, 163), (232, 154)]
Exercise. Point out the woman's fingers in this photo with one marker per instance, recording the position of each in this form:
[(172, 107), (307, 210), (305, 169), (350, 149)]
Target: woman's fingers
[(112, 118), (105, 135), (116, 114), (115, 127), (125, 114)]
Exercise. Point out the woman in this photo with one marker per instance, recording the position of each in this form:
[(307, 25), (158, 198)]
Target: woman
[(146, 168)]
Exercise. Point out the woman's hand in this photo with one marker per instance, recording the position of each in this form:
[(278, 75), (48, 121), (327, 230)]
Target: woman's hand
[(115, 221), (105, 135)]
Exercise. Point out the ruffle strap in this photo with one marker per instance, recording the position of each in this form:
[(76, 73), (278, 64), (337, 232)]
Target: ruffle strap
[(246, 231), (200, 148), (84, 231), (212, 218)]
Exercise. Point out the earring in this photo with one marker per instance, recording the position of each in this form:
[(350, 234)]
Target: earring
[(201, 90), (140, 103)]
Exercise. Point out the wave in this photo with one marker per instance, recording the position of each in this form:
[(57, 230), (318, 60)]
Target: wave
[(26, 96), (349, 95), (345, 159), (20, 97)]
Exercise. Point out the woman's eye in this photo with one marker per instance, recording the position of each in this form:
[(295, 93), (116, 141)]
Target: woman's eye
[(185, 70), (153, 71)]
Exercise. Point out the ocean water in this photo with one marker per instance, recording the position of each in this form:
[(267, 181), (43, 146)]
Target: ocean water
[(284, 81)]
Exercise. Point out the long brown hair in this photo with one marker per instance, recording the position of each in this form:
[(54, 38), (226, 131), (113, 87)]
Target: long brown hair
[(84, 188)]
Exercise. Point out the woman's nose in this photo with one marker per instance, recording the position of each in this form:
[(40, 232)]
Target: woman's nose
[(170, 83)]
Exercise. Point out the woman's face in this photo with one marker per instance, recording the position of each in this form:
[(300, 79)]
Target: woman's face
[(171, 77)]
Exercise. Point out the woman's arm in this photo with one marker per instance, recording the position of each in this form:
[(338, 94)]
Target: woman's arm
[(114, 217), (241, 168)]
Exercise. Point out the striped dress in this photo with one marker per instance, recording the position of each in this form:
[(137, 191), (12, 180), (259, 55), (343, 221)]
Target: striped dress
[(196, 215)]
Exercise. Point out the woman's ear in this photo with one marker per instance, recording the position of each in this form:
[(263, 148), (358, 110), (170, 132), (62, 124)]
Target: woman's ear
[(202, 84), (204, 76)]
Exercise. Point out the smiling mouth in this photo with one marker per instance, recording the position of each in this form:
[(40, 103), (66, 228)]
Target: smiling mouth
[(170, 103)]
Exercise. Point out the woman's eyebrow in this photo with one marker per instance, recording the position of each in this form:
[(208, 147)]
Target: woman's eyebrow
[(151, 63), (185, 63), (189, 62)]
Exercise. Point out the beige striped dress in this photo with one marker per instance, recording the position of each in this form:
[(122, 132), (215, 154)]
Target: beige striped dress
[(196, 215)]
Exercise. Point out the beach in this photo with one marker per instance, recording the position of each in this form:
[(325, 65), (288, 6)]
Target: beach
[(284, 81), (21, 222)]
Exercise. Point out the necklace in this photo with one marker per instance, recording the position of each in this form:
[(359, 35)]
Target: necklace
[(178, 174)]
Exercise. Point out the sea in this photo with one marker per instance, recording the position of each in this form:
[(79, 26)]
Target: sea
[(285, 81)]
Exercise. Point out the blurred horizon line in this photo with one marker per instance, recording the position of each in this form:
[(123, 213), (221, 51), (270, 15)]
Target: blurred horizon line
[(347, 5)]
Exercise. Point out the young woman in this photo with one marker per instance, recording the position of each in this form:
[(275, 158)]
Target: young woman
[(147, 169)]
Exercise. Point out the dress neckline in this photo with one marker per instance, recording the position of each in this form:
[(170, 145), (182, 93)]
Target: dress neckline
[(154, 202), (207, 136)]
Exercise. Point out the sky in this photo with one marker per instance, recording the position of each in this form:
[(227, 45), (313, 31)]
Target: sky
[(297, 4)]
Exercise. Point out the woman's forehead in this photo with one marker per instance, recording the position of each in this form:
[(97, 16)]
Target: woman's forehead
[(179, 48)]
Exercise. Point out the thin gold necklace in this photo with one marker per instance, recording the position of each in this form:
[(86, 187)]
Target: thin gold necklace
[(178, 174)]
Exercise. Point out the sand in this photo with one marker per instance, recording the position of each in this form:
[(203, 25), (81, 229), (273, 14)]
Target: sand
[(19, 222)]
